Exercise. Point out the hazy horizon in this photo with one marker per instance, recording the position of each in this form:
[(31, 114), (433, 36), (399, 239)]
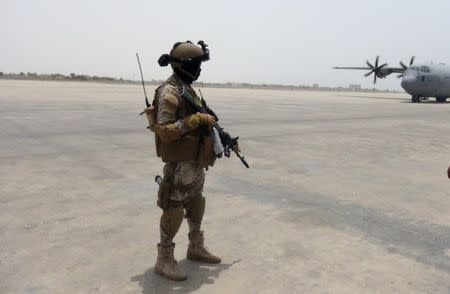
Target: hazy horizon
[(289, 42)]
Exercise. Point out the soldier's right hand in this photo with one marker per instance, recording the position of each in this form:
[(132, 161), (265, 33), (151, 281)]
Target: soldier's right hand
[(207, 119), (195, 120)]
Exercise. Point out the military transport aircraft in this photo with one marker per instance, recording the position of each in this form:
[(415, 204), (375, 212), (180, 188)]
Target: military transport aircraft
[(420, 81)]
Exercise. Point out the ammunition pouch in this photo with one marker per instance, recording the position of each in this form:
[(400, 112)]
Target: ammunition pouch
[(184, 149), (206, 156), (187, 148)]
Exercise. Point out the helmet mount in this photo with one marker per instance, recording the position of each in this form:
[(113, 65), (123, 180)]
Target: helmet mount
[(185, 59)]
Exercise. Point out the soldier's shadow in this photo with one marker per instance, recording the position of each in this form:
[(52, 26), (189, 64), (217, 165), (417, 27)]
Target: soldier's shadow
[(199, 274)]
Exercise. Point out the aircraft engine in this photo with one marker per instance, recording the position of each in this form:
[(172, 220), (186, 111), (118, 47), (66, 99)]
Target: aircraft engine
[(378, 71)]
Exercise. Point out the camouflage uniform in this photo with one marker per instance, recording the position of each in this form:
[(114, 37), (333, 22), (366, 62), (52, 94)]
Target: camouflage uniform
[(188, 178)]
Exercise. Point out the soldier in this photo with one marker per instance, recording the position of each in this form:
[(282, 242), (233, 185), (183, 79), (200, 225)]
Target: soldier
[(183, 142)]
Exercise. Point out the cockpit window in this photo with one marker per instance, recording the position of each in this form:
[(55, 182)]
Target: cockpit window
[(425, 69)]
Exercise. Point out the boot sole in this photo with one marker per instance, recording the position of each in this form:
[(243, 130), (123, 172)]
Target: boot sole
[(199, 259), (161, 273)]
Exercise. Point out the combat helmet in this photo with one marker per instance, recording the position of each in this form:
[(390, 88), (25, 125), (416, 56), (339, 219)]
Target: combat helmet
[(186, 58)]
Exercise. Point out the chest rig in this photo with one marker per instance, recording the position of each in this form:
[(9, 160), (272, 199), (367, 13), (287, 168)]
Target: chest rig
[(193, 146)]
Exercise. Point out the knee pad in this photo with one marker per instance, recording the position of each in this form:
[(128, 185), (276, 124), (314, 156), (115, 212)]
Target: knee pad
[(171, 220), (195, 209)]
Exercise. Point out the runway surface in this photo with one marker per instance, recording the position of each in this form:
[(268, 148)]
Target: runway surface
[(347, 193)]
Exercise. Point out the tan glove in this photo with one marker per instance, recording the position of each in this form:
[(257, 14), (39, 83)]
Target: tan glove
[(167, 133), (195, 120)]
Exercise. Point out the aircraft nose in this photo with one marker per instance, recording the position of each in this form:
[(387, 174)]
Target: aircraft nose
[(408, 84)]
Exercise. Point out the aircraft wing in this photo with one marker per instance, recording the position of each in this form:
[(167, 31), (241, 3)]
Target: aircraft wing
[(358, 68), (380, 71), (387, 69), (397, 69)]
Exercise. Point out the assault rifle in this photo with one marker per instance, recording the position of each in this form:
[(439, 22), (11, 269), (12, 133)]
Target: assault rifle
[(229, 143)]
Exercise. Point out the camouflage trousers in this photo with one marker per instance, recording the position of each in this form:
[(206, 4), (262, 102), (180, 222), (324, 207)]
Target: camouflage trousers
[(189, 178), (186, 195)]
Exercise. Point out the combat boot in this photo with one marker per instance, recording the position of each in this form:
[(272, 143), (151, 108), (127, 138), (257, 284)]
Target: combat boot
[(166, 265), (197, 250)]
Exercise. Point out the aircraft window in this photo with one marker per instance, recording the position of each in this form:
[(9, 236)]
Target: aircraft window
[(425, 69)]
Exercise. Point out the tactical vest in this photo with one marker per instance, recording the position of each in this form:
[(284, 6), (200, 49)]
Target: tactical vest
[(193, 146)]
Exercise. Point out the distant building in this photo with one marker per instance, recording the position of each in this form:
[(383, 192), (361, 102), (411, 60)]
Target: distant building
[(354, 87), (315, 85)]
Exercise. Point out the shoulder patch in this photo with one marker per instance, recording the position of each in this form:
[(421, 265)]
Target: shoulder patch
[(169, 95), (169, 89)]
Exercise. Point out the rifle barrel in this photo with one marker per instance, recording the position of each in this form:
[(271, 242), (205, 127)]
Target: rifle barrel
[(244, 162)]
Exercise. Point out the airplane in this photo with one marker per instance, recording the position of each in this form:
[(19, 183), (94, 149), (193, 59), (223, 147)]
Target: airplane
[(420, 81)]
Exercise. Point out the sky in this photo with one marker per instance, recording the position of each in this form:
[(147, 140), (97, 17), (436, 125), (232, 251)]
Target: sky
[(284, 42)]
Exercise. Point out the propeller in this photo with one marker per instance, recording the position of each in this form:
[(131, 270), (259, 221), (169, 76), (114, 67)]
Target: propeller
[(411, 62), (375, 70)]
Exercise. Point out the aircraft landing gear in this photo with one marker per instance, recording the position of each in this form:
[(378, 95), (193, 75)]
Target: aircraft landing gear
[(441, 99), (416, 99)]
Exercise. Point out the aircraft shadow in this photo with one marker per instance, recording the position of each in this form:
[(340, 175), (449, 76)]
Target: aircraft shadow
[(427, 102), (199, 274), (375, 97), (402, 100)]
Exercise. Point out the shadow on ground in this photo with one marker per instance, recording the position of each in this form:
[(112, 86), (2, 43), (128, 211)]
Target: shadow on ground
[(199, 274), (402, 100), (423, 242), (374, 97), (426, 102)]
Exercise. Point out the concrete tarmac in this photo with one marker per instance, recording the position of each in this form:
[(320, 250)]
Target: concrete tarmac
[(347, 193)]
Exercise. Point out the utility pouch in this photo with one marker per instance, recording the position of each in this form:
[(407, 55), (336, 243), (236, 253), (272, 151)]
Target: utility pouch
[(165, 188), (207, 157), (151, 117), (184, 149)]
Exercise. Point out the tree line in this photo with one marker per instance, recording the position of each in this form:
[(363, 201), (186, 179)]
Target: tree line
[(58, 76), (107, 79)]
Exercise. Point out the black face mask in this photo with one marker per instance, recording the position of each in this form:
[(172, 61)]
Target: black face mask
[(193, 67), (190, 70)]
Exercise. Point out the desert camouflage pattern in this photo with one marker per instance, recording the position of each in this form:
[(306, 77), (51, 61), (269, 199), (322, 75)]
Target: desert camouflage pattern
[(189, 176), (185, 197), (171, 107), (168, 102)]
